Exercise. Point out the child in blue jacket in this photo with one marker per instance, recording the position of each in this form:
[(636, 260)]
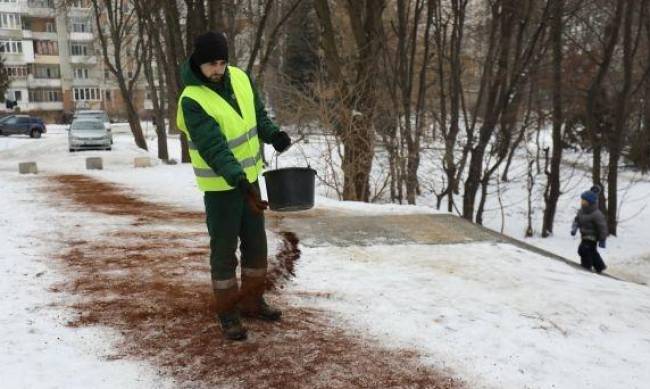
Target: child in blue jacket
[(593, 228)]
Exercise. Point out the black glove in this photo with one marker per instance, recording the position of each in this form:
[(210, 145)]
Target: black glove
[(252, 197), (281, 141)]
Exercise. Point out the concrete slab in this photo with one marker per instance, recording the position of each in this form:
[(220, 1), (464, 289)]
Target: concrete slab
[(142, 162), (94, 163), (27, 168), (347, 230), (322, 227)]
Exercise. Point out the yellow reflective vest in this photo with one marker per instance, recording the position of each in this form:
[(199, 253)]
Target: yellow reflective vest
[(240, 131)]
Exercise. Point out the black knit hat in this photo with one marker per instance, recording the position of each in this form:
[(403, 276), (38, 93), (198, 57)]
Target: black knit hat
[(208, 47)]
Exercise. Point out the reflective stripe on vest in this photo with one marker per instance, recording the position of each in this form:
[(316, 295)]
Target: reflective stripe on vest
[(233, 143), (240, 131)]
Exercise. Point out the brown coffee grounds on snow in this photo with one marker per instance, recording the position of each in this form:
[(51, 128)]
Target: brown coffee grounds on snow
[(152, 285)]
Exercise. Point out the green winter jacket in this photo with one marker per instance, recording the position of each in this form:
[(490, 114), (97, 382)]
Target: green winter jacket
[(205, 132)]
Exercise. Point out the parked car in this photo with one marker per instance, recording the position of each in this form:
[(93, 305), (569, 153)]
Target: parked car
[(22, 124), (88, 133), (95, 114)]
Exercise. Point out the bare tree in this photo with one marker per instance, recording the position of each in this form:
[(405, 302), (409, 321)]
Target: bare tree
[(455, 90), (553, 189), (153, 50), (596, 97), (356, 113), (117, 29), (409, 85), (515, 47), (635, 13)]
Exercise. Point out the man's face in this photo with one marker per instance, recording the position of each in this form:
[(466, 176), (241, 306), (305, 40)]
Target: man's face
[(214, 70)]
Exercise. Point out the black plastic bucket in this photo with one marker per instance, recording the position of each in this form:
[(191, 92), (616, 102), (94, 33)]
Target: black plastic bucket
[(290, 189)]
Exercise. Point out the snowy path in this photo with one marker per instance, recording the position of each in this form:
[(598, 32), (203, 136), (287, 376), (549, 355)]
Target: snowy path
[(139, 269)]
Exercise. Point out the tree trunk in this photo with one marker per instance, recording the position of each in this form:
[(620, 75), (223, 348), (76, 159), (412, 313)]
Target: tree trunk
[(215, 15), (357, 109), (616, 137), (176, 52), (556, 159), (132, 115), (159, 115), (596, 101)]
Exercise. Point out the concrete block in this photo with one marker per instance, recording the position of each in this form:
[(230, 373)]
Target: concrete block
[(142, 162), (27, 168), (94, 163)]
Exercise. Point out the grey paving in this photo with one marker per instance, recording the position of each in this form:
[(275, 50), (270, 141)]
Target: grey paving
[(329, 227)]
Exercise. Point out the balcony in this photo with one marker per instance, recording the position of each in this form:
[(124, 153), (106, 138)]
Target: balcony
[(43, 35), (16, 58), (17, 82), (17, 7), (82, 36), (85, 82), (41, 7), (44, 82), (83, 59), (13, 34), (46, 106), (47, 59)]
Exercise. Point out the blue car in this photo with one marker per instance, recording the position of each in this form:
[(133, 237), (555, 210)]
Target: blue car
[(22, 124)]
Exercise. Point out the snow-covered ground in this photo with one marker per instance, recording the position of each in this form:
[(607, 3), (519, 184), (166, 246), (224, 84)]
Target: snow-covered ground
[(494, 314)]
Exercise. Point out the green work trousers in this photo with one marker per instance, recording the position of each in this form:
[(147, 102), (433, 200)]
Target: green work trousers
[(230, 220)]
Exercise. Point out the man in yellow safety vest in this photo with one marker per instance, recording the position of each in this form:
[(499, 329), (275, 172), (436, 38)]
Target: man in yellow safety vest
[(226, 122)]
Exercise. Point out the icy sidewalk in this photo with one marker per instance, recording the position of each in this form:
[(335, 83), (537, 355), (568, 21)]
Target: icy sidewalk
[(38, 349)]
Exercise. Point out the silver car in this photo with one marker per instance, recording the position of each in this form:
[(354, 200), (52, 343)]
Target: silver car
[(88, 133), (95, 114)]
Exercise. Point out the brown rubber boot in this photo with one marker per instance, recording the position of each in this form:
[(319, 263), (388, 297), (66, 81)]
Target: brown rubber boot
[(227, 311), (252, 302), (231, 326)]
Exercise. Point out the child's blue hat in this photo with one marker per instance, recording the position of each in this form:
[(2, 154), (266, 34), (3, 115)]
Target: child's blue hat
[(591, 196)]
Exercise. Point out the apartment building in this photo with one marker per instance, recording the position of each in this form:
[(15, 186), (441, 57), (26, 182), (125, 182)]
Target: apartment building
[(54, 61)]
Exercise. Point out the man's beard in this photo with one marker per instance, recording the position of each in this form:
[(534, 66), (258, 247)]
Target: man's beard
[(216, 77)]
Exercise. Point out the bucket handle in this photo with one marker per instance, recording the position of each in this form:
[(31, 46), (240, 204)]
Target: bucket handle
[(302, 151)]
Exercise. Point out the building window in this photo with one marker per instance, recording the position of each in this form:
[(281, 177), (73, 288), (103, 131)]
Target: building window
[(86, 94), (46, 47), (44, 95), (18, 95), (44, 71), (41, 3), (11, 47), (79, 4), (17, 71), (79, 49), (81, 25), (50, 27), (107, 95), (80, 73), (10, 21)]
